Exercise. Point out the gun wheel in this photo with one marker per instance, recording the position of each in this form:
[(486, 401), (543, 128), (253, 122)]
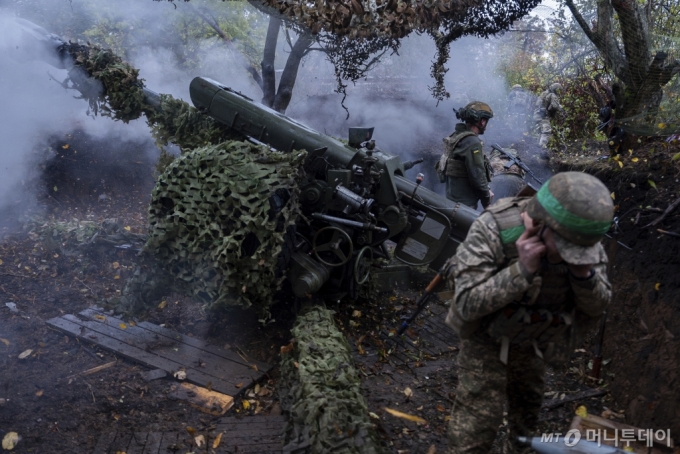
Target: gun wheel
[(362, 265), (332, 246)]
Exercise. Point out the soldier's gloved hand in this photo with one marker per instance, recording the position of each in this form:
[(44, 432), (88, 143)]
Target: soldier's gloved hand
[(529, 246)]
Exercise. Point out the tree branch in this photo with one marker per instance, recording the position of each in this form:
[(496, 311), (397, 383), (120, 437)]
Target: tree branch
[(635, 37), (212, 22), (287, 82), (268, 57), (602, 36)]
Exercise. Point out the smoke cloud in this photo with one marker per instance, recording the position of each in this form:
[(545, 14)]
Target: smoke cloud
[(394, 98)]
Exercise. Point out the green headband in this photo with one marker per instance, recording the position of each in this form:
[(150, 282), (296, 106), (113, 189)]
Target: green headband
[(569, 220)]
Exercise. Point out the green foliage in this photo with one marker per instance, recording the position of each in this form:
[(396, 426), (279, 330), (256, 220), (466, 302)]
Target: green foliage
[(580, 119)]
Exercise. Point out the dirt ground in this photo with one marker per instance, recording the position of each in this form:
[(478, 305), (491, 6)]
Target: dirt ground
[(55, 409)]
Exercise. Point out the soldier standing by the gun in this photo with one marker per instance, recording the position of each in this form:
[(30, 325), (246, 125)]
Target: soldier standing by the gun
[(547, 108), (530, 279), (519, 105), (463, 165)]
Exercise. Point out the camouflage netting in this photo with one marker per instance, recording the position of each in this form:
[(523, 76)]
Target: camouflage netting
[(320, 388), (211, 225), (113, 87)]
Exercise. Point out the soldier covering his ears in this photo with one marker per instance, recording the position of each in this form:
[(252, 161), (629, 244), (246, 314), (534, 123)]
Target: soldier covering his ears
[(530, 279)]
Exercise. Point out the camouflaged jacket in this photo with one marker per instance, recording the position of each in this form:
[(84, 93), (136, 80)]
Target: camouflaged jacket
[(547, 105), (488, 278), (465, 167)]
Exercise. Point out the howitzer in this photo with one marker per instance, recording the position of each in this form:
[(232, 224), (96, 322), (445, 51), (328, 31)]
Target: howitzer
[(354, 197)]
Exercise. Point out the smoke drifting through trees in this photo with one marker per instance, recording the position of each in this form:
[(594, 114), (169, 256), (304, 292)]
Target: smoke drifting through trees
[(36, 106)]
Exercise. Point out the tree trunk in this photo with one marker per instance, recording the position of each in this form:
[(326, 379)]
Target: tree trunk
[(643, 77), (287, 82), (268, 57)]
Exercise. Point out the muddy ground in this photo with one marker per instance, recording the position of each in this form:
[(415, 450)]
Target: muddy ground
[(56, 410)]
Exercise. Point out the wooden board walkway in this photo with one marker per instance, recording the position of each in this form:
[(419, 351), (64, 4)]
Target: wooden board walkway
[(253, 434), (160, 348)]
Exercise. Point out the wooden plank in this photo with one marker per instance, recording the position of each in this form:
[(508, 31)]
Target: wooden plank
[(120, 443), (137, 443), (215, 368), (153, 443), (262, 448), (141, 356), (169, 443), (197, 343), (203, 399), (104, 442), (174, 350)]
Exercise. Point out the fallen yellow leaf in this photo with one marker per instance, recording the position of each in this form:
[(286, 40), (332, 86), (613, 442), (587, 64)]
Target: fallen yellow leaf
[(217, 440), (4, 341), (126, 228), (162, 304), (613, 196), (191, 431), (10, 440), (25, 354), (115, 265), (239, 385), (620, 164), (0, 261), (246, 404), (39, 393), (582, 411), (65, 147), (657, 286), (406, 416), (635, 159), (123, 326), (100, 317), (116, 277), (662, 125)]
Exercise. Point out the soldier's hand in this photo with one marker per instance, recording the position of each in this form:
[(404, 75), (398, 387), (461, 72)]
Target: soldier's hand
[(490, 196), (530, 248)]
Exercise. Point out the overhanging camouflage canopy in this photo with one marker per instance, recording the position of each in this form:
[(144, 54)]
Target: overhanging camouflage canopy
[(356, 25)]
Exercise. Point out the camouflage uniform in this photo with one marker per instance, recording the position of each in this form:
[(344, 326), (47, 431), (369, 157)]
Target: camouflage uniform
[(465, 168), (491, 286), (518, 106), (547, 107), (506, 182)]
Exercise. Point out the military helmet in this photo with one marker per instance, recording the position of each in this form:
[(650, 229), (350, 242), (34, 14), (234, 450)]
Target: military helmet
[(517, 87), (579, 210), (474, 111), (554, 88)]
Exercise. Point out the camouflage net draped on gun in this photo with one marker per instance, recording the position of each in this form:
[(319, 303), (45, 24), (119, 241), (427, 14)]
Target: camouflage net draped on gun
[(213, 226), (320, 387), (113, 87)]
